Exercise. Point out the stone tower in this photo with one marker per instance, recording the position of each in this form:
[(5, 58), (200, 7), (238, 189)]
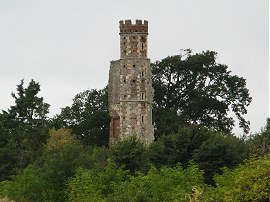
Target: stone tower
[(130, 86)]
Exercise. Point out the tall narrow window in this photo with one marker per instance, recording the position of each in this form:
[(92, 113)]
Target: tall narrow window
[(142, 119), (142, 45), (142, 74), (142, 96)]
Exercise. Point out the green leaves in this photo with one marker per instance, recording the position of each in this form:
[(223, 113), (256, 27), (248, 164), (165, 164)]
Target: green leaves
[(94, 185), (88, 117), (29, 107), (248, 182), (130, 153), (113, 184), (199, 91), (24, 126)]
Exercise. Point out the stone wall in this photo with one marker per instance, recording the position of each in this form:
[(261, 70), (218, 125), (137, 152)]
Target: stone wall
[(130, 86)]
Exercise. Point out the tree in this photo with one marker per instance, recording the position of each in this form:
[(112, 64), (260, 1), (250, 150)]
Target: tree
[(211, 150), (114, 184), (88, 117), (46, 179), (95, 185), (9, 159), (217, 151), (179, 147), (195, 89), (23, 128), (130, 153), (247, 182), (164, 184), (259, 144), (29, 108)]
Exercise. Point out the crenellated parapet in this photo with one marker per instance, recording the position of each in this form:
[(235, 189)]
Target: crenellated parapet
[(127, 26), (130, 90)]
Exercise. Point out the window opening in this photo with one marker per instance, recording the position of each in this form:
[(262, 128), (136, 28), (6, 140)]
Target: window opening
[(142, 119)]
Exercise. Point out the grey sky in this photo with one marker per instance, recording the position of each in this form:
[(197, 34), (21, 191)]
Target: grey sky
[(67, 45)]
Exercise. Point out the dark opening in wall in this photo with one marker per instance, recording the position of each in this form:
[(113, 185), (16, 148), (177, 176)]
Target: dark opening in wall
[(134, 65), (134, 80), (142, 119)]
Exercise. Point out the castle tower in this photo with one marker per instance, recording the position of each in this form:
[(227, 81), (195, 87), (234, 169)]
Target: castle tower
[(130, 86)]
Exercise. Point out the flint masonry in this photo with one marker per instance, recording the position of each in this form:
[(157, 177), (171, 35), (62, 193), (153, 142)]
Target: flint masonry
[(130, 85)]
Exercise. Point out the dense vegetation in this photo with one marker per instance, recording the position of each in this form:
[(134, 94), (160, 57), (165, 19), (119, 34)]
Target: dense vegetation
[(195, 157)]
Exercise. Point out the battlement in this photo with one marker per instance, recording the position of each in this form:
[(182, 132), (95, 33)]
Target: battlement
[(127, 26)]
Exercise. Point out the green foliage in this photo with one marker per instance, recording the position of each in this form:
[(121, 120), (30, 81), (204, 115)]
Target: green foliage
[(26, 186), (217, 151), (178, 147), (194, 89), (192, 97), (95, 185), (46, 180), (29, 109), (113, 184), (88, 117), (62, 155), (248, 182), (23, 129), (259, 144), (130, 153), (166, 184), (210, 149), (8, 159)]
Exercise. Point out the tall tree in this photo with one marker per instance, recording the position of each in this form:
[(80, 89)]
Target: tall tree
[(259, 143), (88, 117), (195, 89), (24, 125)]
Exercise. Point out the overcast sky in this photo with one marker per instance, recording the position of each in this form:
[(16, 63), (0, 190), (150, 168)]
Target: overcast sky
[(67, 45)]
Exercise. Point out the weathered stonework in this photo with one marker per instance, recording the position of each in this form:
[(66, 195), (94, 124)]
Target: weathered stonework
[(130, 86)]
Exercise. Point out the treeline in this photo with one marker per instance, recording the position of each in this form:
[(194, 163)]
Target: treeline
[(194, 157), (213, 169)]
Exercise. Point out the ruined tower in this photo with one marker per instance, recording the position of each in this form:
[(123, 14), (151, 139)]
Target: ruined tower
[(130, 85)]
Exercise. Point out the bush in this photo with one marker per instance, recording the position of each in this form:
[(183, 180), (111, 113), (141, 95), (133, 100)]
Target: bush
[(248, 182), (130, 153)]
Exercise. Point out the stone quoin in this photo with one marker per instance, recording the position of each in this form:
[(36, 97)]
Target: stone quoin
[(130, 86)]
